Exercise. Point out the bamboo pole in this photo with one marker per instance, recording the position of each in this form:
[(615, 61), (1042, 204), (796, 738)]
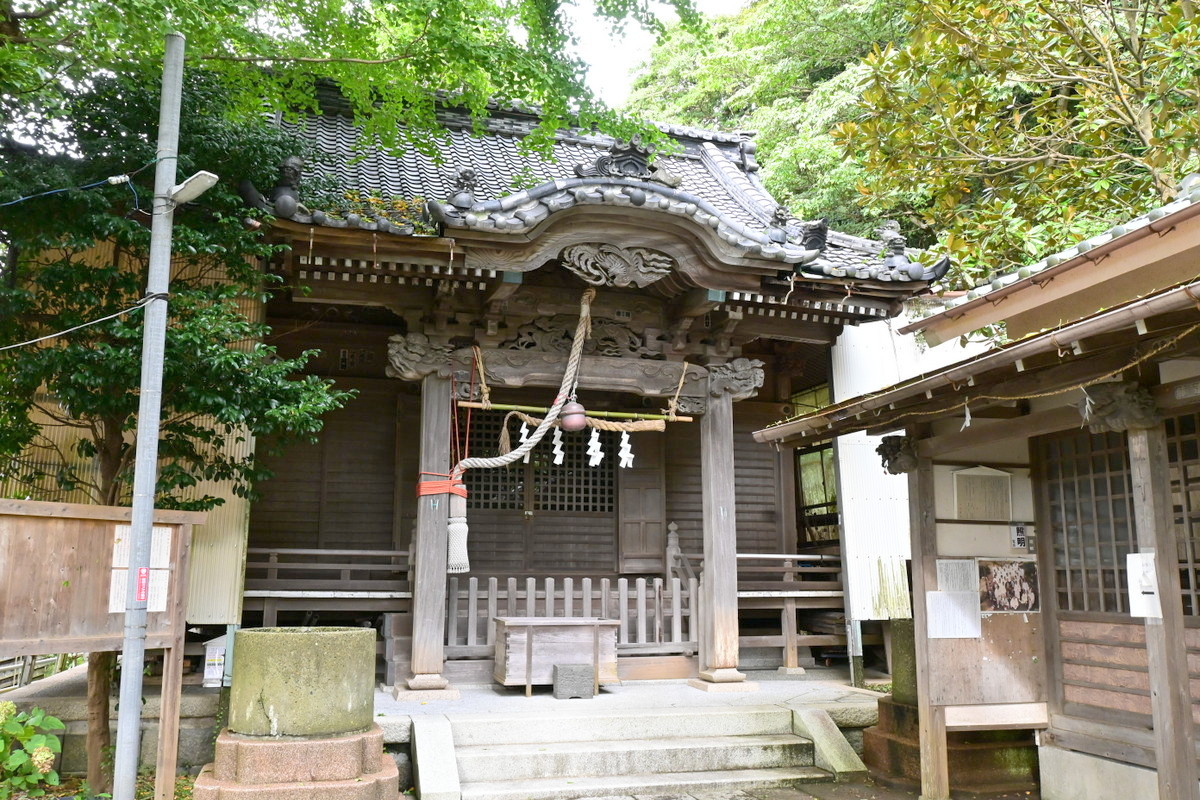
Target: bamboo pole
[(602, 414)]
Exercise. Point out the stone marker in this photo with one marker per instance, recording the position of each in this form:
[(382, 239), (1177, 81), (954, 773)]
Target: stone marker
[(574, 680)]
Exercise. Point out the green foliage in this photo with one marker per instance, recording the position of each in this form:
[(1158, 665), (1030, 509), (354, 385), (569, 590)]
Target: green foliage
[(80, 256), (27, 751), (788, 69), (1023, 127), (389, 57)]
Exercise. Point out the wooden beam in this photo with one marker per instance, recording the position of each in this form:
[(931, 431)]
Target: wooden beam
[(720, 619), (1036, 424), (509, 283), (1166, 652), (429, 579), (935, 774)]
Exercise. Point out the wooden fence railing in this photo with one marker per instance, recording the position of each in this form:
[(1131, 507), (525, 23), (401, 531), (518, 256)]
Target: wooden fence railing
[(656, 617), (311, 580), (22, 670)]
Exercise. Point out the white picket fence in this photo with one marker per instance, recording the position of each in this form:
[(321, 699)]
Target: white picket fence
[(657, 616)]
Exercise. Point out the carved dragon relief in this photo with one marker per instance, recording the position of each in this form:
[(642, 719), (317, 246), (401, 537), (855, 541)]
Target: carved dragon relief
[(609, 265), (740, 378), (411, 356)]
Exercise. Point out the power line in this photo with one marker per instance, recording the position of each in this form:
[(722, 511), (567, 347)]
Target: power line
[(140, 304), (112, 180)]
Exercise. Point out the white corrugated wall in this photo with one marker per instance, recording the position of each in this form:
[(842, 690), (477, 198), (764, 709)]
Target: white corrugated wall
[(874, 504)]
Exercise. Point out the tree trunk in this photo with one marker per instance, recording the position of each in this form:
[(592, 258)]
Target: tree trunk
[(99, 740), (100, 665)]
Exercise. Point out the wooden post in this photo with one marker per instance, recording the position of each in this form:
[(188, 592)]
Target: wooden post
[(429, 584), (935, 774), (720, 619), (1166, 652)]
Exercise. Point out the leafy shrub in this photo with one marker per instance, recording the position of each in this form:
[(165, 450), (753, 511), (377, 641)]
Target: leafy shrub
[(27, 751)]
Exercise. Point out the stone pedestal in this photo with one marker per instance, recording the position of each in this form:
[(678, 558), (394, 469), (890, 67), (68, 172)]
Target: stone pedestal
[(301, 720), (982, 763)]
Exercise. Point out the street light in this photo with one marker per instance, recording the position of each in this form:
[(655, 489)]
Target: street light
[(167, 195)]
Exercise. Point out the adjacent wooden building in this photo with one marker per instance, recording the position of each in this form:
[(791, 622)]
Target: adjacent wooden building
[(1054, 518)]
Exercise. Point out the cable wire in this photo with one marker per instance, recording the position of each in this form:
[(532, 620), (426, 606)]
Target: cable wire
[(140, 304)]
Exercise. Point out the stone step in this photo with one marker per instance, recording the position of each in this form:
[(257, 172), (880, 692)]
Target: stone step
[(643, 784), (505, 762), (593, 726)]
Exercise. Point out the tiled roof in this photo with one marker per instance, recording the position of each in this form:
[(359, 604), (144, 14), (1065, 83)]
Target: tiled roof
[(1189, 195), (711, 177)]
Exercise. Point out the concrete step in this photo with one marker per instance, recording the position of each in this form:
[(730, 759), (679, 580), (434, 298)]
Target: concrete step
[(592, 726), (556, 788), (508, 762)]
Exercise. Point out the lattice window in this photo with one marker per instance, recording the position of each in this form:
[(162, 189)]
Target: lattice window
[(1089, 505), (497, 489), (572, 486), (1183, 455)]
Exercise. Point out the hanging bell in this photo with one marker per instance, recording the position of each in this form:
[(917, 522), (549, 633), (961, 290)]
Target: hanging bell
[(573, 417)]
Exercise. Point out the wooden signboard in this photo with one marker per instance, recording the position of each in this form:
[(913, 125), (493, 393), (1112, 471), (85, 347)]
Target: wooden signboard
[(62, 574)]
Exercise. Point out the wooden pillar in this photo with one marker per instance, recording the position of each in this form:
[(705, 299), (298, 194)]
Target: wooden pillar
[(935, 775), (429, 574), (720, 620), (1166, 652)]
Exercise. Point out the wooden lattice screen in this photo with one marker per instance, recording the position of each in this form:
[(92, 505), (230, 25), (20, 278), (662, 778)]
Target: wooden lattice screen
[(1089, 511), (541, 485)]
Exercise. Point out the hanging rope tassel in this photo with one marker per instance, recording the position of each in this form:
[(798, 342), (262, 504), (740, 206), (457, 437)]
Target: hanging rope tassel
[(457, 561)]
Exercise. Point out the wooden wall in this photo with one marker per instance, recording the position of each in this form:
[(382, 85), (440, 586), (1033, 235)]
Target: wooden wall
[(339, 493)]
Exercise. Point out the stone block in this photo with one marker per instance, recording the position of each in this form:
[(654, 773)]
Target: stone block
[(257, 760), (435, 767), (831, 751), (574, 681)]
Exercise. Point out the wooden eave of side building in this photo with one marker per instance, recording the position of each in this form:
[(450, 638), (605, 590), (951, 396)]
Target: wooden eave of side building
[(1125, 262), (998, 383)]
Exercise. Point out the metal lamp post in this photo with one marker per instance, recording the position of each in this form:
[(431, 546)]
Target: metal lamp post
[(167, 196)]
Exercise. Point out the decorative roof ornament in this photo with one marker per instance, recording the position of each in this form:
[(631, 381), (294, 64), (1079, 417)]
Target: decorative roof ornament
[(895, 244), (899, 454), (627, 160), (609, 265), (1118, 407), (464, 182)]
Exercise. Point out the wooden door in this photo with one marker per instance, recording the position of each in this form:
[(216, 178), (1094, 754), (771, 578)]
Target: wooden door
[(643, 524)]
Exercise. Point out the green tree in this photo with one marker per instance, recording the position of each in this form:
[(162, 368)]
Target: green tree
[(389, 57), (790, 70), (82, 255), (1024, 126)]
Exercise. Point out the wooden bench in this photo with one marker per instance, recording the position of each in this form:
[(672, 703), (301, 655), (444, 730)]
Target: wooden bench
[(296, 579)]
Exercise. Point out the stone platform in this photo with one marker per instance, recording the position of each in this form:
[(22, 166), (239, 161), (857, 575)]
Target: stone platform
[(348, 767)]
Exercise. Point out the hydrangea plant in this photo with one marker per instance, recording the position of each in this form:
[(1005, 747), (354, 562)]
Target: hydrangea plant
[(27, 751)]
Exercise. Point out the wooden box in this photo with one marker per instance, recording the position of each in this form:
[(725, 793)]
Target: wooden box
[(543, 642)]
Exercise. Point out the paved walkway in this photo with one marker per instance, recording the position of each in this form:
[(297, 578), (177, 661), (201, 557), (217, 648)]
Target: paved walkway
[(822, 688)]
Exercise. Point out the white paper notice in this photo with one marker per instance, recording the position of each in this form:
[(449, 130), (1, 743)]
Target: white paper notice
[(957, 575), (160, 547), (1143, 585), (160, 563), (952, 615)]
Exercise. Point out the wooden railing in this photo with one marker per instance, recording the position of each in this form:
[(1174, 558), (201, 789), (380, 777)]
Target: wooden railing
[(656, 617), (313, 580), (17, 672)]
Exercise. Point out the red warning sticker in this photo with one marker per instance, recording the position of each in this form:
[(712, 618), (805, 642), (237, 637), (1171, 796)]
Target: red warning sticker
[(143, 583)]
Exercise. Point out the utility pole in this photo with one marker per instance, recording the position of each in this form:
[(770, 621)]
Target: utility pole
[(145, 476)]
